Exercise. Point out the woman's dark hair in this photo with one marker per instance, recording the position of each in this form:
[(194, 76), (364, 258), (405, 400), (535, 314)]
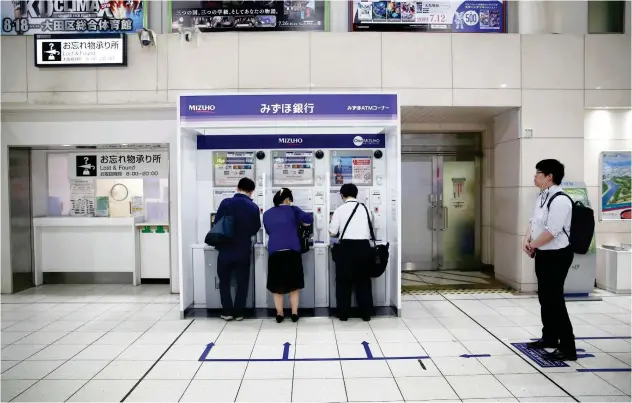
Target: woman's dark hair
[(281, 195), (349, 190)]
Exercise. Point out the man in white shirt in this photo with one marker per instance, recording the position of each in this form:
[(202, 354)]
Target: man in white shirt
[(350, 222), (547, 240)]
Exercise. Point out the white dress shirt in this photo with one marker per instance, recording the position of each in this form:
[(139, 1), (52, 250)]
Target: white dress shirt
[(358, 226), (556, 221)]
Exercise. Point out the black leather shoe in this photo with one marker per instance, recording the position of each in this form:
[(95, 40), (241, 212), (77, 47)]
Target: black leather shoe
[(279, 318), (294, 318), (343, 318), (559, 355), (542, 344)]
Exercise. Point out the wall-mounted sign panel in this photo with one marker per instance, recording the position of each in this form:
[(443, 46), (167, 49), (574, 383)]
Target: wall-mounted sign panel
[(230, 167), (616, 183), (290, 141), (118, 165), (471, 16), (217, 16), (71, 17), (80, 50)]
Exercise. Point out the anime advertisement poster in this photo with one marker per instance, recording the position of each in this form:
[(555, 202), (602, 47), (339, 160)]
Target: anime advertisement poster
[(481, 16), (217, 16), (616, 180), (72, 17)]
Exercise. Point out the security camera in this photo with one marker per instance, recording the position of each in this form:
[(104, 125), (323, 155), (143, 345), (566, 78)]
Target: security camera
[(146, 37), (188, 35)]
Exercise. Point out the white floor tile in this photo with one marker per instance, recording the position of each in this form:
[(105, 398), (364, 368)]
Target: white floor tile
[(98, 326), (133, 326), (460, 366), (355, 336), (50, 391), (6, 365), (471, 334), (29, 326), (103, 391), (530, 385), (207, 325), (623, 357), (478, 387), (141, 352), (211, 391), (188, 338), (221, 370), (316, 337), (511, 333), (317, 351), (77, 370), (394, 336), (169, 326), (492, 347), (620, 380), (506, 364), (600, 360), (547, 399), (366, 369), (372, 390), (236, 351), (269, 370), (10, 389), (585, 384), (424, 334), (158, 391), (317, 370), (57, 352), (174, 370), (20, 352), (122, 338), (31, 370), (602, 399), (251, 390), (444, 349), (607, 346), (80, 338), (357, 350), (502, 399), (237, 338), (402, 349), (433, 388), (265, 351), (319, 390), (100, 353), (121, 370), (413, 368), (12, 337)]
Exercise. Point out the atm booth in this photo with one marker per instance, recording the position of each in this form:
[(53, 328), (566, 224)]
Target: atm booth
[(311, 143)]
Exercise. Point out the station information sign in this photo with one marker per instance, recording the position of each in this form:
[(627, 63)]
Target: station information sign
[(231, 166), (292, 168)]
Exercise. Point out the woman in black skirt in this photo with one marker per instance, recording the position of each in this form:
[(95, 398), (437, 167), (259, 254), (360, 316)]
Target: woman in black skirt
[(285, 265)]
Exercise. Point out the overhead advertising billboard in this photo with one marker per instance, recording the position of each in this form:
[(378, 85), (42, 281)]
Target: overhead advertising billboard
[(480, 16), (217, 16), (72, 17)]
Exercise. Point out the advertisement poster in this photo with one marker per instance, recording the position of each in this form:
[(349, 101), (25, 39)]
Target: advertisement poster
[(231, 166), (616, 175), (125, 164), (480, 16), (72, 17), (349, 169), (82, 200), (216, 16), (293, 168)]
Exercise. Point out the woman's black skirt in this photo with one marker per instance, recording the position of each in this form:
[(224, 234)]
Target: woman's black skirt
[(285, 272)]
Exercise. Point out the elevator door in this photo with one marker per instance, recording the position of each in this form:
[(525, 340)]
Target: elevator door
[(441, 219), (21, 238)]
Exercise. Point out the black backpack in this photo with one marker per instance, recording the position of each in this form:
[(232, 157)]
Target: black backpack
[(582, 225)]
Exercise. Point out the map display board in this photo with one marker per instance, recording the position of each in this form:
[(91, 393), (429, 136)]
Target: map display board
[(231, 166), (616, 177), (292, 168)]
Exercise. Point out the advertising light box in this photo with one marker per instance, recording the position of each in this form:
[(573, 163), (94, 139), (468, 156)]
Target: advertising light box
[(80, 50)]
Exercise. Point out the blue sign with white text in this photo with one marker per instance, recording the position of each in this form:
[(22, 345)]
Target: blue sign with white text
[(288, 107), (293, 141)]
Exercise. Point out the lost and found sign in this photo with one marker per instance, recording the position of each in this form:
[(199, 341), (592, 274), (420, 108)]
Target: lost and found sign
[(80, 50), (119, 165)]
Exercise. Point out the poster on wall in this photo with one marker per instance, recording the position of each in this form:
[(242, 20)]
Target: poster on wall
[(352, 169), (231, 166), (471, 16), (72, 17), (616, 177), (124, 164), (217, 16), (292, 168), (82, 200), (104, 50)]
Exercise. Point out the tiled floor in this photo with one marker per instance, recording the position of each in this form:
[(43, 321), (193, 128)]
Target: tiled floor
[(107, 343)]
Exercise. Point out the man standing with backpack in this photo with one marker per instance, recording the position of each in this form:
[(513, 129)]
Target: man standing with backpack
[(549, 241)]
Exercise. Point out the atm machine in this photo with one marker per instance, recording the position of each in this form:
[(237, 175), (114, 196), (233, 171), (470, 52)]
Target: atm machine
[(218, 175), (365, 168), (304, 172)]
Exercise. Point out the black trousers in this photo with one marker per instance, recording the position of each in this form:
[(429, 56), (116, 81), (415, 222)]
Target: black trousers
[(240, 268), (551, 269), (352, 273)]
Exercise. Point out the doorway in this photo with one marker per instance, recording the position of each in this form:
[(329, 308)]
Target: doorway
[(441, 210)]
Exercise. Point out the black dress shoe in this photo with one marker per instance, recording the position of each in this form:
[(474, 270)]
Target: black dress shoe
[(294, 318), (559, 355), (279, 318), (542, 344)]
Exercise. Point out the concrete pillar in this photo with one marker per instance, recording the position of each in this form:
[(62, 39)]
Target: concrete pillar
[(557, 17), (338, 16), (532, 17)]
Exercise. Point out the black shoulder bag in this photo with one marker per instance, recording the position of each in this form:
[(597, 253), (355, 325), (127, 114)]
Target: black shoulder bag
[(304, 232), (380, 253), (335, 249)]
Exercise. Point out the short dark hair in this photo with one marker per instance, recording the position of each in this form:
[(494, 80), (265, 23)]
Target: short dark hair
[(281, 195), (246, 185), (349, 190), (553, 168)]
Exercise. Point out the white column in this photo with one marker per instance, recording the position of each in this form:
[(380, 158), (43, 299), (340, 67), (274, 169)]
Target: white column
[(532, 17), (567, 17), (338, 16)]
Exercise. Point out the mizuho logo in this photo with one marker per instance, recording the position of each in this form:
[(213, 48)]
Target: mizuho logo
[(358, 141), (197, 108), (290, 140)]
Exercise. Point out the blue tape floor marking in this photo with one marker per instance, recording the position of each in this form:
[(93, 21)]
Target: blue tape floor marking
[(420, 357), (601, 338), (604, 370)]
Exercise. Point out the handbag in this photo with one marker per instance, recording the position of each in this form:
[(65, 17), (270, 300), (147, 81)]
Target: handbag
[(335, 249), (221, 233), (304, 233), (379, 254)]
